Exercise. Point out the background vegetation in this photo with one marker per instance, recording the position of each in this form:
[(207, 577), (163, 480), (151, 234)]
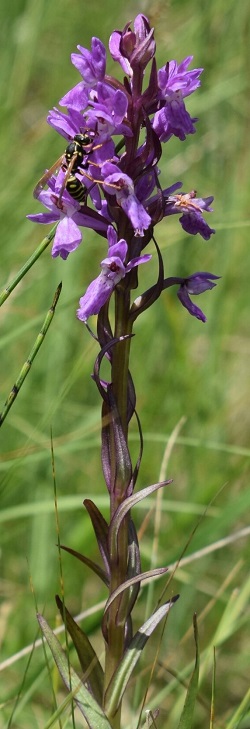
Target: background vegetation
[(182, 368)]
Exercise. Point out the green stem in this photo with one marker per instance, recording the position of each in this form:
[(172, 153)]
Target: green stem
[(121, 354), (118, 559), (119, 477)]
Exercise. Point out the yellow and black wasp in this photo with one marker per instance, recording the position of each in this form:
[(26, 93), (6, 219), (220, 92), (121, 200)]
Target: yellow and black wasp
[(74, 159)]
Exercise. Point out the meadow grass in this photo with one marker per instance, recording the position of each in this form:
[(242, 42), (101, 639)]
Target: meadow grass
[(192, 380)]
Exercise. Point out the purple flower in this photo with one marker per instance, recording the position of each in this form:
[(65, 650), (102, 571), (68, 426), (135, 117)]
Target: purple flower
[(68, 212), (191, 207), (113, 270), (66, 124), (105, 115), (173, 119), (173, 77), (120, 185), (91, 64), (194, 285), (133, 48), (175, 82), (108, 112)]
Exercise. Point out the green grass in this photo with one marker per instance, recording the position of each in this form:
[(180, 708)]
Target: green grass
[(181, 368)]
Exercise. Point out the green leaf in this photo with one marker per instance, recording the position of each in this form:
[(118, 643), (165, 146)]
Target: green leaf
[(101, 529), (93, 713), (157, 572), (92, 671), (89, 563), (120, 679), (186, 720), (128, 504)]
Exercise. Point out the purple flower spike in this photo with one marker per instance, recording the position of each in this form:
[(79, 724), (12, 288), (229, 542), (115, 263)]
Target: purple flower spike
[(111, 185), (113, 270)]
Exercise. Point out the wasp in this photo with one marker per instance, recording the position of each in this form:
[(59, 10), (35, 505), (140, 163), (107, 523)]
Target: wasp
[(72, 161)]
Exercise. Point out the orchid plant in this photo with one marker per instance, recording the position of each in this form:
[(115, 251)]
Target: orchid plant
[(119, 195)]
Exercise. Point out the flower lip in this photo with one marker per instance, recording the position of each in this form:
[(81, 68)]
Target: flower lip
[(113, 269), (195, 284)]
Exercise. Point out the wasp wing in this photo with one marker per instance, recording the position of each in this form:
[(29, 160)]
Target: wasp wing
[(47, 175)]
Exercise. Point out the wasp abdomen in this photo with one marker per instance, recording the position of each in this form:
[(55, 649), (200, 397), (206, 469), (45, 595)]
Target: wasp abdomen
[(76, 189)]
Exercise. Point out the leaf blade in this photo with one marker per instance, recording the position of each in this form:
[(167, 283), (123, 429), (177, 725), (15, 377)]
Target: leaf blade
[(120, 679), (157, 572), (91, 667), (186, 720), (88, 562), (88, 706)]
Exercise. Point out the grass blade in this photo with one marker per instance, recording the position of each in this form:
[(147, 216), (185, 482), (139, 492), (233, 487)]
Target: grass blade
[(240, 712), (186, 720), (27, 365), (29, 263)]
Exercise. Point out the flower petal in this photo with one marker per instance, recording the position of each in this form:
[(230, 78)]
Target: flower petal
[(95, 297), (67, 238)]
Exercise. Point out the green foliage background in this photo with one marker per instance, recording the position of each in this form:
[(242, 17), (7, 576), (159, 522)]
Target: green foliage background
[(180, 366)]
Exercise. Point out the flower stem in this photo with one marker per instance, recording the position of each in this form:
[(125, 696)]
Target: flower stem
[(118, 559), (121, 354)]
